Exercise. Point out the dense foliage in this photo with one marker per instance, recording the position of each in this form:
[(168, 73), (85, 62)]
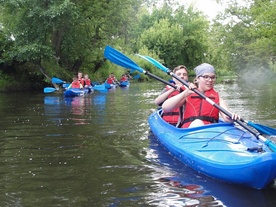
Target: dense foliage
[(41, 39)]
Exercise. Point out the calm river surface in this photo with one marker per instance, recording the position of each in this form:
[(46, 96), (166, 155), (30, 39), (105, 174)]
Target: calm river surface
[(97, 151)]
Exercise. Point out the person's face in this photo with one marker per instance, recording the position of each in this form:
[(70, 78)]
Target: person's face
[(206, 81), (182, 73)]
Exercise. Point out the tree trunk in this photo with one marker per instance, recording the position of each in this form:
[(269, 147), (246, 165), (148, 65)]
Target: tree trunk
[(48, 77)]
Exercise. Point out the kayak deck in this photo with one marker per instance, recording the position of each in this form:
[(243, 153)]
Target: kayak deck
[(221, 150)]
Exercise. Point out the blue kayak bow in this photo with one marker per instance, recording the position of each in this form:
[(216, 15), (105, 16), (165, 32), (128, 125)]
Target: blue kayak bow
[(241, 122), (122, 60)]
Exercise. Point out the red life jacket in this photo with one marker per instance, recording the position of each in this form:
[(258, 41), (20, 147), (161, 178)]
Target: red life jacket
[(109, 80), (198, 108), (172, 117), (81, 81), (76, 85), (87, 82), (123, 79)]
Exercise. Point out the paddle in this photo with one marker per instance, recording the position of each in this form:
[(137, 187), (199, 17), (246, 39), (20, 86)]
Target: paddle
[(57, 80), (49, 90), (240, 122), (122, 60), (65, 85), (261, 128), (136, 76)]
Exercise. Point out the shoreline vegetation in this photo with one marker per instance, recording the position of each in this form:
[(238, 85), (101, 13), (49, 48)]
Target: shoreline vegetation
[(40, 40), (7, 84)]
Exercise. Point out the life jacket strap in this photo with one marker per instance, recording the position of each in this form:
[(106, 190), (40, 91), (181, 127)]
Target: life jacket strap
[(203, 118)]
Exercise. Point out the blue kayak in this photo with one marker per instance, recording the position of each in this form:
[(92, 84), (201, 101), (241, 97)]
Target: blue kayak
[(100, 87), (124, 84), (72, 92), (222, 151), (110, 86)]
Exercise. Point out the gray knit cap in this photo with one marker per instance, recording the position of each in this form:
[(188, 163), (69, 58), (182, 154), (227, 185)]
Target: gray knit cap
[(204, 68)]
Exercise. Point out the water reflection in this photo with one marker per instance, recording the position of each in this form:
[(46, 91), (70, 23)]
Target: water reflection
[(52, 105), (76, 106)]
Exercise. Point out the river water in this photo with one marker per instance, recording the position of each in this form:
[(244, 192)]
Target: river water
[(97, 150)]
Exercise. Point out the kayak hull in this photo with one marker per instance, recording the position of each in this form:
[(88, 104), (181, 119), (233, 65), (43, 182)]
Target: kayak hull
[(110, 86), (72, 92), (100, 87), (124, 84), (222, 151)]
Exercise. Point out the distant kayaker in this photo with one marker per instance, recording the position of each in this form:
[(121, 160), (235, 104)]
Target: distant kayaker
[(80, 78), (114, 78), (111, 79), (198, 111), (173, 116), (124, 78), (75, 84), (87, 81)]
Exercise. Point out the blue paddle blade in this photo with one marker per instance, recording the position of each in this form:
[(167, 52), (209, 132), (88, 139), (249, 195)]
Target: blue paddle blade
[(57, 80), (120, 59), (136, 76), (65, 85), (157, 64), (49, 90), (262, 129)]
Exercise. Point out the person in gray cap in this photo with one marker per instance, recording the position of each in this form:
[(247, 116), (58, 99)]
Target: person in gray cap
[(198, 111)]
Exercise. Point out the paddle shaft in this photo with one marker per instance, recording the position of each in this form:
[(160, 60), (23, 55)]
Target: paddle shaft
[(160, 79)]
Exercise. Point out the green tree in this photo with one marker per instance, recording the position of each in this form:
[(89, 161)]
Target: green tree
[(244, 36), (178, 37), (64, 33)]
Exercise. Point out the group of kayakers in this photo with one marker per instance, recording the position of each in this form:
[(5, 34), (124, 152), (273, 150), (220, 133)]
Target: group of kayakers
[(80, 81), (113, 80), (183, 108)]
